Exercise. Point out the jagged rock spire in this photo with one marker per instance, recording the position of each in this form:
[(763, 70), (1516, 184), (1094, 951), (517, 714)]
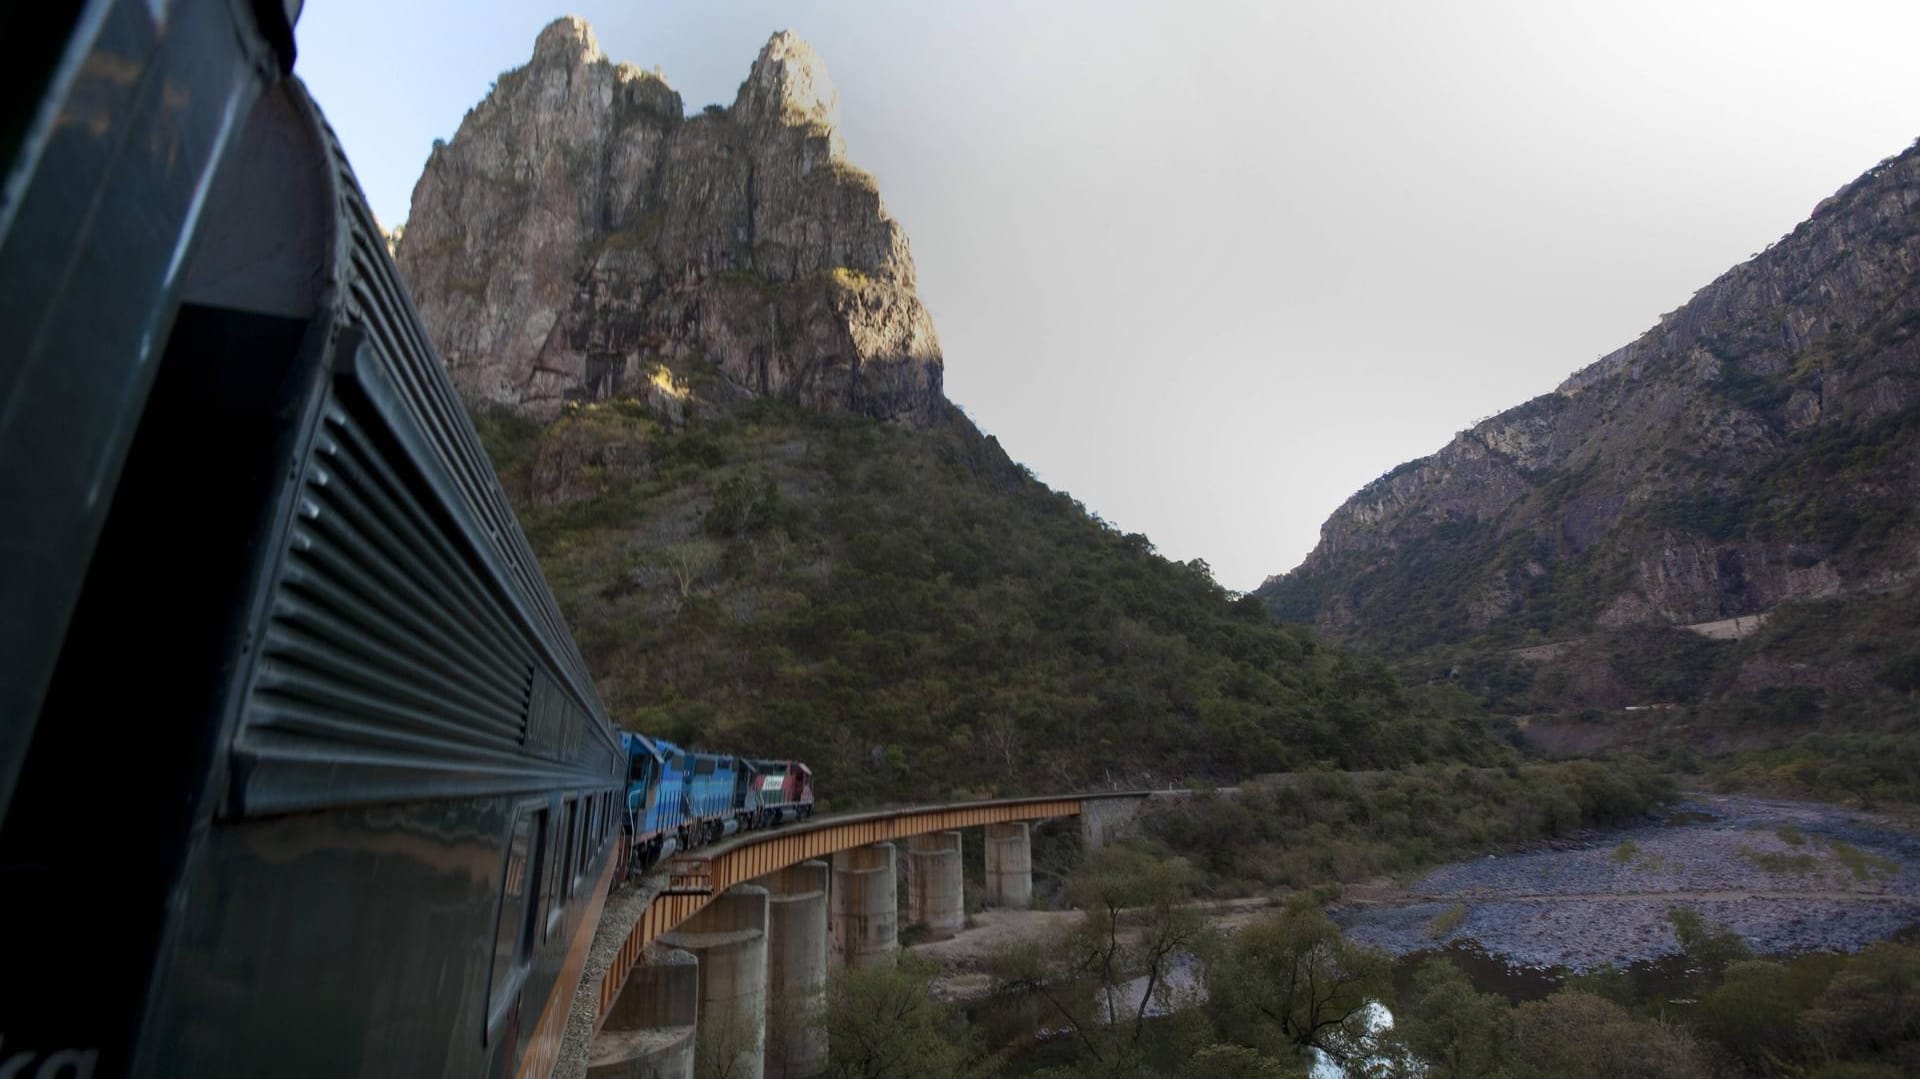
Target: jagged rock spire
[(581, 238), (567, 38), (788, 84)]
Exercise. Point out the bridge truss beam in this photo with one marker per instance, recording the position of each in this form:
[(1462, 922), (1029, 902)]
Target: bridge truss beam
[(694, 880)]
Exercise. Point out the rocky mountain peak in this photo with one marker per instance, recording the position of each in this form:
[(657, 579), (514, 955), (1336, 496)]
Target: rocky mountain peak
[(788, 84), (580, 238), (567, 39), (1758, 446)]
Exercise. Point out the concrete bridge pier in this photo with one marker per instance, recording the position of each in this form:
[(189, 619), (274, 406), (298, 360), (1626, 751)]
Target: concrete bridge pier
[(729, 937), (936, 885), (1106, 819), (1009, 850), (796, 970), (649, 1032), (866, 913)]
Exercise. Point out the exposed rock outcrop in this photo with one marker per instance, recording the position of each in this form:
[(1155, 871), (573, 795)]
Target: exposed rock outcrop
[(581, 238), (1761, 444)]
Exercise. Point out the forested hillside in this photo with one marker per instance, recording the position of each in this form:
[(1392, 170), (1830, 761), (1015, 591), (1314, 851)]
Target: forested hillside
[(918, 617)]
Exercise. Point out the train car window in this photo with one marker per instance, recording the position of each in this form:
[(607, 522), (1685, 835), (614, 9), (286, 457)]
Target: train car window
[(542, 853), (572, 860), (703, 766), (582, 852), (562, 867), (552, 892), (512, 932)]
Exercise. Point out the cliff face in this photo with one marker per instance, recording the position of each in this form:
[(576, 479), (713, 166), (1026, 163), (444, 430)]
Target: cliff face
[(1759, 445), (581, 239)]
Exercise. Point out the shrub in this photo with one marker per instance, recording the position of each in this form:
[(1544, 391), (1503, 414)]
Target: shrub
[(1446, 921)]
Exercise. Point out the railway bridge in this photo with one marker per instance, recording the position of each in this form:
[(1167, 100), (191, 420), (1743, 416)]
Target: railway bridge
[(722, 952)]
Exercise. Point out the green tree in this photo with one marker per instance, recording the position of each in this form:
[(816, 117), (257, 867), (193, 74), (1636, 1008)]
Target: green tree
[(1709, 946), (1755, 1013), (1220, 1061), (1870, 1011), (1294, 981), (883, 1023), (1575, 1035), (743, 504), (1459, 1033), (1135, 931), (1137, 927)]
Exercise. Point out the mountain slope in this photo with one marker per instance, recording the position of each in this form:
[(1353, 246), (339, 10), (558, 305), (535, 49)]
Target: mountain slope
[(1759, 447), (917, 616), (694, 350)]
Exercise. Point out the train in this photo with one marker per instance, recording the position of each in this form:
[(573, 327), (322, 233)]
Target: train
[(679, 799), (301, 771)]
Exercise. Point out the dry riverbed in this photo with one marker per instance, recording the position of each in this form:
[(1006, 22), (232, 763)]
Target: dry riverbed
[(1788, 876), (963, 958)]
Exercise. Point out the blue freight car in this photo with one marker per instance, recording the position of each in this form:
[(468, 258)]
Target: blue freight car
[(657, 805), (712, 792)]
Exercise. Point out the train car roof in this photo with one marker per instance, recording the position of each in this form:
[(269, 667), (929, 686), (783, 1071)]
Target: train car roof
[(660, 747), (641, 743)]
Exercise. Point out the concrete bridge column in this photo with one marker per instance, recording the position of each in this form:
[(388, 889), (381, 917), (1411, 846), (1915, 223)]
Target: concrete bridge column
[(936, 885), (1105, 819), (1009, 853), (649, 1032), (729, 937), (866, 913), (796, 970)]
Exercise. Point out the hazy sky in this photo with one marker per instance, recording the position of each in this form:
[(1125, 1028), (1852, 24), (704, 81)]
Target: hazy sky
[(1211, 267)]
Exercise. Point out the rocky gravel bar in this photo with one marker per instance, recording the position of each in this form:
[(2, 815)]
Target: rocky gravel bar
[(1789, 877)]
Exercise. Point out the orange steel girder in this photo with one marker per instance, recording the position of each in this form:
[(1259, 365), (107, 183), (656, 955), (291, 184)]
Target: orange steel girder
[(756, 854)]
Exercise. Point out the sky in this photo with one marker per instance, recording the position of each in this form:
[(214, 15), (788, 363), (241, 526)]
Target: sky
[(1212, 267)]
